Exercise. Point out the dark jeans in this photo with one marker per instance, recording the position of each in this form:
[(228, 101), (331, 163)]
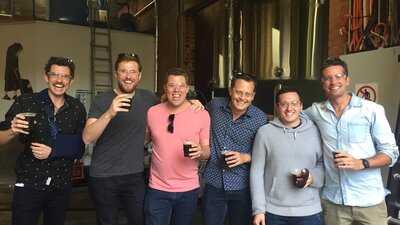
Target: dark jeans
[(28, 204), (316, 219), (175, 208), (217, 203), (109, 193)]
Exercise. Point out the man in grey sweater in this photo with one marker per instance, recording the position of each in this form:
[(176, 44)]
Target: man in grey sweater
[(286, 143)]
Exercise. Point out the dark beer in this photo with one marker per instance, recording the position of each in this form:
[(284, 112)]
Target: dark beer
[(186, 147), (300, 177), (335, 152), (224, 155), (30, 117), (130, 103)]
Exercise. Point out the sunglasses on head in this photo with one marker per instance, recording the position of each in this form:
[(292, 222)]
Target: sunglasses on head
[(121, 55), (240, 73), (171, 119)]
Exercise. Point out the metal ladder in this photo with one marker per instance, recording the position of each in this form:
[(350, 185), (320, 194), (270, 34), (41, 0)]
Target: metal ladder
[(100, 44)]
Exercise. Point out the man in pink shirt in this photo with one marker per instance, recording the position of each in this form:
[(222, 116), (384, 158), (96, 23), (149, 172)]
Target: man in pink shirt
[(174, 183)]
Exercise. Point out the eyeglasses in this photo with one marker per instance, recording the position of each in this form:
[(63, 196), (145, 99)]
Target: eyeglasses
[(179, 86), (241, 93), (338, 76), (170, 127), (54, 75), (294, 103), (130, 72), (121, 55)]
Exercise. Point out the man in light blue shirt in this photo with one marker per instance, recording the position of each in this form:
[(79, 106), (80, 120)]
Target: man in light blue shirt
[(353, 189)]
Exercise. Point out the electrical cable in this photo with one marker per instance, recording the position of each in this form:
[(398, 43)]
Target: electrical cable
[(375, 33), (356, 26), (380, 35)]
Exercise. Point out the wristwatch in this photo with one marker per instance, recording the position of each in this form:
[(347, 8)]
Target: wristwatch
[(365, 163)]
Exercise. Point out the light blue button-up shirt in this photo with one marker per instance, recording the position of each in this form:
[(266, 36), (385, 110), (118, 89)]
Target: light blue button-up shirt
[(363, 131)]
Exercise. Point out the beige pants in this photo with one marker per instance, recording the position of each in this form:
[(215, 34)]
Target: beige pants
[(348, 215)]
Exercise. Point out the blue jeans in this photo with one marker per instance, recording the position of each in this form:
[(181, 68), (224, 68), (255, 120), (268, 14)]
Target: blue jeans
[(316, 219), (218, 203), (164, 208), (28, 204), (110, 193)]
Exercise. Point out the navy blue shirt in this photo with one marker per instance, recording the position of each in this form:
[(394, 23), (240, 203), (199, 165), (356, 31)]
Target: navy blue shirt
[(70, 119), (226, 134)]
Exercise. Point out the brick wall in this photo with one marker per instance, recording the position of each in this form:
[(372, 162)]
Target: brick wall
[(337, 43)]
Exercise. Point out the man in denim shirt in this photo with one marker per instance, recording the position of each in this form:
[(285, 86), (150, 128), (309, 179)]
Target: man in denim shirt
[(234, 124), (353, 189)]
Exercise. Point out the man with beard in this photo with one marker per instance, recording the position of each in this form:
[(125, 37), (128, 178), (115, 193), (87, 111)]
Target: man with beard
[(115, 177), (51, 144)]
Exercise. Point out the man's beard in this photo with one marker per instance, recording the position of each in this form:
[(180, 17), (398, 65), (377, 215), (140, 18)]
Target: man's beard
[(124, 90)]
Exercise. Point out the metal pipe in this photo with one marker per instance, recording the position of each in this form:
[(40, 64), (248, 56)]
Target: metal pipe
[(140, 12), (349, 28), (313, 38), (231, 33), (156, 47), (285, 37), (396, 176)]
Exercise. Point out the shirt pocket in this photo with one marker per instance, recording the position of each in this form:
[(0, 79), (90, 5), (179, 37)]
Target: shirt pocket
[(358, 131)]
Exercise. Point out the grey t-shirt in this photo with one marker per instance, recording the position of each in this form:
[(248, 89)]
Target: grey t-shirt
[(119, 150)]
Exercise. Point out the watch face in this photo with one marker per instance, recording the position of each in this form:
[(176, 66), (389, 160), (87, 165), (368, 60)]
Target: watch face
[(365, 163)]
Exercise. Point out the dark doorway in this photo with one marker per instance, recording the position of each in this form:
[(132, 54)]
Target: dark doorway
[(207, 24)]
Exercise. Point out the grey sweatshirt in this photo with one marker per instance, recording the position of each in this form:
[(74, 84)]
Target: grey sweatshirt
[(278, 149)]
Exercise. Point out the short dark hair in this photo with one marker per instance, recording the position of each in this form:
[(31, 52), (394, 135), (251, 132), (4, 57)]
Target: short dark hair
[(127, 57), (177, 72), (334, 62), (287, 89), (243, 76), (60, 61)]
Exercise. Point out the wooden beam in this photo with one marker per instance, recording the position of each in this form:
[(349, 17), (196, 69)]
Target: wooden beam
[(193, 6)]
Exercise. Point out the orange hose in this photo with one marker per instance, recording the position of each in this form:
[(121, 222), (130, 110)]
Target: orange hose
[(378, 28), (356, 27)]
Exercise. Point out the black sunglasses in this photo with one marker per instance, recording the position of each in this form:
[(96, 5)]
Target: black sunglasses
[(121, 55), (171, 119), (61, 60), (240, 73)]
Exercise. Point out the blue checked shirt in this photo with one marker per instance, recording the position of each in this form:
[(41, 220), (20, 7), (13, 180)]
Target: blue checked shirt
[(235, 135), (363, 131)]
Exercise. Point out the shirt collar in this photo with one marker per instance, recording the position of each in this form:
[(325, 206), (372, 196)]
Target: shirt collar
[(46, 98), (355, 101)]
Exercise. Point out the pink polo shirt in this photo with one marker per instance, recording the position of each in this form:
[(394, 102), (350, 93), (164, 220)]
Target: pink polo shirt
[(170, 170)]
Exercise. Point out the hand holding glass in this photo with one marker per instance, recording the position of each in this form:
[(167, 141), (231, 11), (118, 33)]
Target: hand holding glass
[(30, 117), (186, 146), (300, 177)]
